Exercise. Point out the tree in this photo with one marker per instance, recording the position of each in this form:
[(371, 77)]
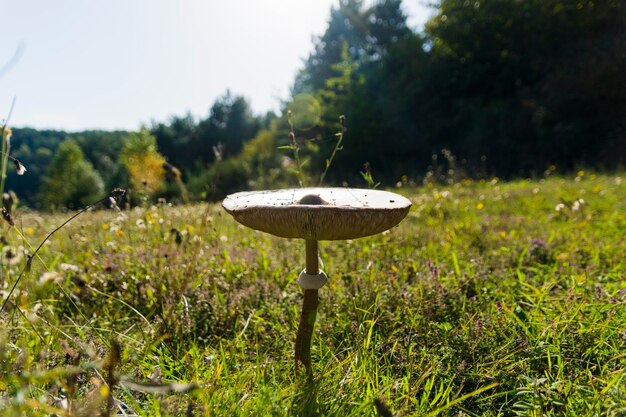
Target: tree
[(348, 73), (344, 28), (365, 34), (143, 163), (230, 123), (529, 83), (178, 141), (71, 180)]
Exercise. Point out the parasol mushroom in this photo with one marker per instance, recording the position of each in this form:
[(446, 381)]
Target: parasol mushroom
[(315, 214)]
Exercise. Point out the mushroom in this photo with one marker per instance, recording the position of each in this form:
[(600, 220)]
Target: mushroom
[(315, 214)]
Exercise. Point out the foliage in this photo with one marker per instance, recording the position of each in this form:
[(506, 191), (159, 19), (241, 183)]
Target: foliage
[(486, 80), (511, 88), (143, 163), (490, 299), (528, 84), (186, 144), (347, 74), (37, 147), (267, 167), (221, 179), (189, 144), (71, 180)]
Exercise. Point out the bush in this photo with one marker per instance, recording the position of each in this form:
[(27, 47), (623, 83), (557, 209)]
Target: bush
[(71, 180)]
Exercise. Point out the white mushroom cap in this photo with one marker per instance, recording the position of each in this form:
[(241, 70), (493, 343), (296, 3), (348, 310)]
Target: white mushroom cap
[(318, 213)]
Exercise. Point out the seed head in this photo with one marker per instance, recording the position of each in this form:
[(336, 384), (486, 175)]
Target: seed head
[(7, 216), (171, 171), (19, 167), (118, 192), (113, 204), (7, 134)]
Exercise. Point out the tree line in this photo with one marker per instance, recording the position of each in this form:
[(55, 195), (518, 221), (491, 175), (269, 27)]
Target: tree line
[(491, 87)]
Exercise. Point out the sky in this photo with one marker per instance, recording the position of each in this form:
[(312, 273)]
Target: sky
[(121, 64)]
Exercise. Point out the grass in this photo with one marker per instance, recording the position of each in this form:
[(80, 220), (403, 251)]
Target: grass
[(489, 299)]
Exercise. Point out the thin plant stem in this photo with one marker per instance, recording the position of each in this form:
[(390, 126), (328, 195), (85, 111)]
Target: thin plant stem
[(342, 121), (32, 326), (4, 154), (296, 149), (21, 235), (70, 299), (5, 148)]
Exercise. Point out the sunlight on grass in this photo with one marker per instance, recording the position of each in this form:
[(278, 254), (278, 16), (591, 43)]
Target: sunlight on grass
[(490, 299)]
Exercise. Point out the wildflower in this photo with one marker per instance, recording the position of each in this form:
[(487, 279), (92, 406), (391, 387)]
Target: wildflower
[(559, 207), (19, 167), (12, 256), (49, 276), (478, 325), (69, 267), (598, 290)]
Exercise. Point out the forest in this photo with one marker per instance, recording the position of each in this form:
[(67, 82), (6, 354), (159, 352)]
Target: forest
[(488, 88)]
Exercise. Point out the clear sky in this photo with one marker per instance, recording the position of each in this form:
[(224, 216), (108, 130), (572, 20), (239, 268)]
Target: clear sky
[(117, 64)]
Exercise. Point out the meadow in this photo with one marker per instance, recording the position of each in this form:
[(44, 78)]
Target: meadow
[(490, 299)]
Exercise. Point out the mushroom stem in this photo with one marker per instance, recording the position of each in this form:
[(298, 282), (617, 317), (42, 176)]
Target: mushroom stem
[(312, 257), (309, 311)]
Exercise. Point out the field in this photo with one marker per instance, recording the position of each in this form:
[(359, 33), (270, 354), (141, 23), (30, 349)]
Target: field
[(489, 299)]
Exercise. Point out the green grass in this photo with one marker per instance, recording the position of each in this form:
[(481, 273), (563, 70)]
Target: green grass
[(485, 301)]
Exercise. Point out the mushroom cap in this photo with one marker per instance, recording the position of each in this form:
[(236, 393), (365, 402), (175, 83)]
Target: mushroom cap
[(318, 213)]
